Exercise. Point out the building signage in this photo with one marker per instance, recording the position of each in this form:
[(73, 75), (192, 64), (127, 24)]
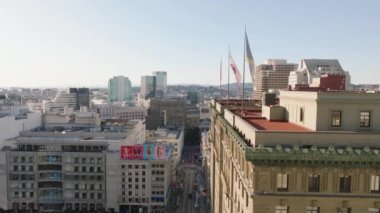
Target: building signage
[(50, 148), (145, 152)]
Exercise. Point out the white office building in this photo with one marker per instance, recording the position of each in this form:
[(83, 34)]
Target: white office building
[(175, 137), (66, 167), (320, 73), (120, 111)]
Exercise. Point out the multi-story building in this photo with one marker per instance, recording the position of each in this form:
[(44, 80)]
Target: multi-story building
[(119, 89), (120, 111), (161, 83), (325, 74), (148, 87), (173, 136), (166, 112), (62, 167), (192, 117), (205, 116), (272, 75), (314, 152), (83, 96), (143, 179), (51, 172), (72, 97)]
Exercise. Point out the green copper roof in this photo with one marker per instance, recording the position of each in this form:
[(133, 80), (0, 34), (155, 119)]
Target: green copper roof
[(314, 157)]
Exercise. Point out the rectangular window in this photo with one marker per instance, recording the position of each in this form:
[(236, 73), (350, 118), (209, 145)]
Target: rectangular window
[(345, 183), (281, 209), (312, 209), (365, 119), (375, 183), (302, 114), (336, 118), (282, 182), (344, 210), (314, 183)]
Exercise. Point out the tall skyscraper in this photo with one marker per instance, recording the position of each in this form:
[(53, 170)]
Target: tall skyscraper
[(161, 83), (148, 87), (120, 89), (274, 74)]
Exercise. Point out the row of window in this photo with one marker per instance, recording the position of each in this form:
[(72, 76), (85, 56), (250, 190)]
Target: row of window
[(158, 179), (84, 206), (22, 159), (364, 119), (143, 200), (88, 169), (158, 172), (131, 166), (244, 193), (88, 186), (130, 186), (23, 168), (84, 177), (158, 192), (88, 160), (21, 177), (336, 118), (137, 193), (315, 209), (78, 195), (64, 148), (314, 183), (130, 180), (50, 158), (23, 194), (136, 173), (22, 185)]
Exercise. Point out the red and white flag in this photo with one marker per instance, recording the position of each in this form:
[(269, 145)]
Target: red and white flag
[(236, 71)]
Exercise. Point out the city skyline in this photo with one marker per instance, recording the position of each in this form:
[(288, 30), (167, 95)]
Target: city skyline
[(59, 44)]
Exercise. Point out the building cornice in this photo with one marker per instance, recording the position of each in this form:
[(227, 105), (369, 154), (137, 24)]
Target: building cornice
[(314, 157)]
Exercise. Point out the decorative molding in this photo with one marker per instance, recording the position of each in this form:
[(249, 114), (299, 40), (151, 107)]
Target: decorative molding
[(314, 157)]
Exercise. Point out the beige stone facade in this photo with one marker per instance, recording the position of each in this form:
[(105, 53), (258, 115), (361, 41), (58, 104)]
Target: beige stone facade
[(281, 166), (274, 74)]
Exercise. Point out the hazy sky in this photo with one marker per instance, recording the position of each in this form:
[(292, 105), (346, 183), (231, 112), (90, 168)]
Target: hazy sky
[(84, 43)]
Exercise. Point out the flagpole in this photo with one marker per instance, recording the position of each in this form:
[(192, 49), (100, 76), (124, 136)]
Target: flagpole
[(228, 76), (220, 79), (245, 46)]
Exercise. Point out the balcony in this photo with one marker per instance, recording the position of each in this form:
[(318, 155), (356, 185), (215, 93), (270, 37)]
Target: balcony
[(52, 167), (50, 199), (50, 184)]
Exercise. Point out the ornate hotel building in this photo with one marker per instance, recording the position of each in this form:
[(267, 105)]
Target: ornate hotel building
[(313, 152)]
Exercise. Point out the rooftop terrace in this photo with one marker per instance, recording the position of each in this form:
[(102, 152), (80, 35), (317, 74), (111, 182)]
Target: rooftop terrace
[(254, 117)]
